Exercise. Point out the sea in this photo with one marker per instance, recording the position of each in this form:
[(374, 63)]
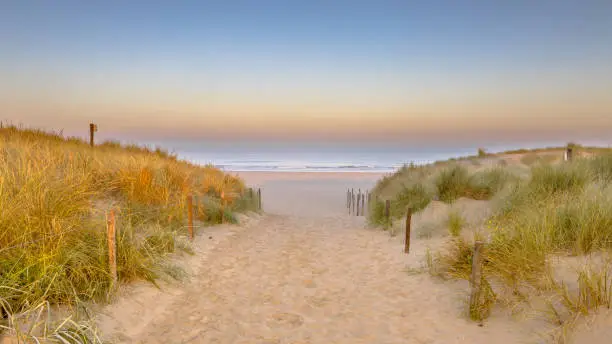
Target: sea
[(323, 157)]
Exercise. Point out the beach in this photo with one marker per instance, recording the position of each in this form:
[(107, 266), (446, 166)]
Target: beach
[(307, 272), (308, 194)]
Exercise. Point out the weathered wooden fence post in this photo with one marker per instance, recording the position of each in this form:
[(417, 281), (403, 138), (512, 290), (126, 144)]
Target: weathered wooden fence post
[(476, 278), (353, 201), (92, 128), (362, 205), (190, 215), (358, 201), (408, 223), (348, 200), (112, 246), (259, 198)]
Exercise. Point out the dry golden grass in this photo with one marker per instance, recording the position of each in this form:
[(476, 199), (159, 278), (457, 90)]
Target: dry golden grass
[(54, 193)]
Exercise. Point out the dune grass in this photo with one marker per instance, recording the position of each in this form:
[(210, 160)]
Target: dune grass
[(560, 210), (551, 209), (54, 194), (420, 185), (455, 223)]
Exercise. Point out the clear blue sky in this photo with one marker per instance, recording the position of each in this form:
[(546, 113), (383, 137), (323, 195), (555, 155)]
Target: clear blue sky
[(310, 69)]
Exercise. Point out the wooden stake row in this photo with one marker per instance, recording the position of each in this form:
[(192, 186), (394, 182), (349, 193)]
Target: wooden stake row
[(356, 203)]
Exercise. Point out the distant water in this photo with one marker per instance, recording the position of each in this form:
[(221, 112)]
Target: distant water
[(327, 157), (315, 158)]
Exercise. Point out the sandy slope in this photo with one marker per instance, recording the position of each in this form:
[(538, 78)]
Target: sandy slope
[(316, 277)]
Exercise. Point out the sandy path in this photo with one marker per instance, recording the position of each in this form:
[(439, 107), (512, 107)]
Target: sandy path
[(291, 279)]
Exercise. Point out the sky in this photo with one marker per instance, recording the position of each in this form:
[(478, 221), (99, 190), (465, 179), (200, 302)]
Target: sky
[(366, 71)]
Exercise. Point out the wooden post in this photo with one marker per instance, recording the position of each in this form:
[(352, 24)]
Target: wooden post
[(476, 277), (190, 216), (92, 128), (348, 198), (362, 204), (353, 201), (365, 205), (259, 198), (408, 223), (112, 246), (387, 211), (358, 202)]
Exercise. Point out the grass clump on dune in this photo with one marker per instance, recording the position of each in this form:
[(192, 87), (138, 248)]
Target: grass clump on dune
[(547, 210), (54, 193), (560, 210), (456, 182), (415, 196)]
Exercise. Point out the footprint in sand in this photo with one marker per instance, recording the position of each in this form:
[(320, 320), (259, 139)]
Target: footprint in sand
[(285, 320)]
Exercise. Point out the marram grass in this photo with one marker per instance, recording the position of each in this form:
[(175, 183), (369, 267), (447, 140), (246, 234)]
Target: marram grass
[(54, 194), (555, 209)]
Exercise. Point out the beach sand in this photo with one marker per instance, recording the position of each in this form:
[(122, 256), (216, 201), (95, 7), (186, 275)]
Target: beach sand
[(306, 194), (306, 272)]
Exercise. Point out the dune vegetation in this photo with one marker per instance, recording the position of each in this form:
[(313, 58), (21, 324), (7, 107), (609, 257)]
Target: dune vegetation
[(54, 196), (546, 213)]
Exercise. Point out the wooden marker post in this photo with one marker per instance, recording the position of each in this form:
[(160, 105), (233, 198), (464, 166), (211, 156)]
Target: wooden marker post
[(92, 128), (259, 199), (363, 205), (363, 202), (358, 201), (349, 204), (353, 201), (112, 246), (476, 277), (190, 216), (348, 201), (408, 223)]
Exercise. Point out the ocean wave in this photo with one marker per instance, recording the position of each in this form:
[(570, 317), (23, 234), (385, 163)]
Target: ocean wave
[(307, 168)]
